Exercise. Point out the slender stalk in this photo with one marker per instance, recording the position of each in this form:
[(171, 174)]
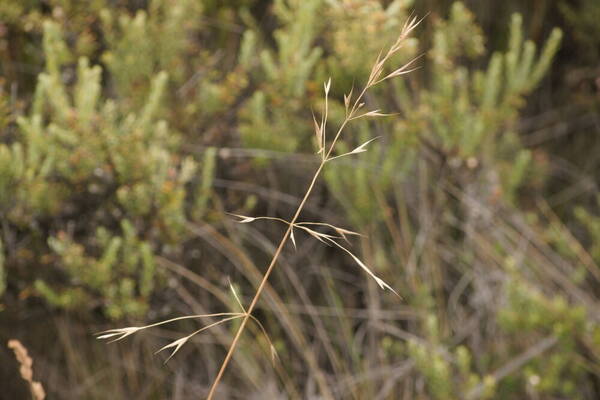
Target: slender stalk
[(263, 282), (326, 157)]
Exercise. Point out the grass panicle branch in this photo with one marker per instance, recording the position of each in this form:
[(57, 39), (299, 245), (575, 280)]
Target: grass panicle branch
[(326, 156)]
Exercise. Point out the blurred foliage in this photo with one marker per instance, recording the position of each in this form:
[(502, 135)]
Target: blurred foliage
[(467, 115), (286, 70), (583, 17), (125, 131), (529, 310)]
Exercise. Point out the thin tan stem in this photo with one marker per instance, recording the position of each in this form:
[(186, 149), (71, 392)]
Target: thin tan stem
[(326, 156), (265, 278), (271, 267), (263, 282)]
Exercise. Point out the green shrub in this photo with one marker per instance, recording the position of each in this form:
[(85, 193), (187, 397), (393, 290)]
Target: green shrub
[(112, 181)]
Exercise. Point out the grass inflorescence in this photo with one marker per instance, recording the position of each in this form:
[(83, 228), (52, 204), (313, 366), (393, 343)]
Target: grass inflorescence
[(326, 150)]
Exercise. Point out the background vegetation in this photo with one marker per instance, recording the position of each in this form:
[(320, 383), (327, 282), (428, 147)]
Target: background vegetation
[(128, 129)]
